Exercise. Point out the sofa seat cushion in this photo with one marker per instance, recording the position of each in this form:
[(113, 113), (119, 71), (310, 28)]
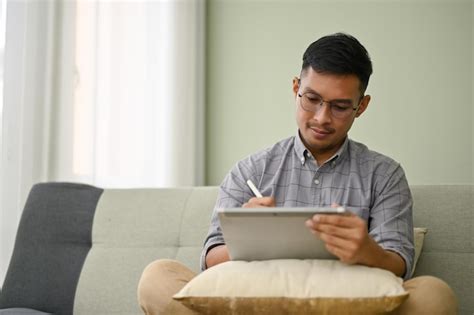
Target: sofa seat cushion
[(21, 311), (293, 286)]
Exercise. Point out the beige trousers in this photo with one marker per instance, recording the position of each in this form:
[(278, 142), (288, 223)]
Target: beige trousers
[(163, 278)]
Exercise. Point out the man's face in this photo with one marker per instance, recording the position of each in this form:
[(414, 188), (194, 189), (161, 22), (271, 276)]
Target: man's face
[(321, 132)]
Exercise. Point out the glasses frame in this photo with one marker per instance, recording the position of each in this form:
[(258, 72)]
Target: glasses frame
[(300, 95)]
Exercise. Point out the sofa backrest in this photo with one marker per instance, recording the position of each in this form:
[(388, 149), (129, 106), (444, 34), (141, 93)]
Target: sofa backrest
[(52, 242), (448, 251), (133, 227)]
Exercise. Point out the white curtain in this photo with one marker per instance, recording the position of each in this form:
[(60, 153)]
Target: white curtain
[(100, 92)]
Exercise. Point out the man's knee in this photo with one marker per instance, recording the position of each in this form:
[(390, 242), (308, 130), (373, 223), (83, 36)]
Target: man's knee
[(157, 268), (159, 281), (428, 295), (150, 275)]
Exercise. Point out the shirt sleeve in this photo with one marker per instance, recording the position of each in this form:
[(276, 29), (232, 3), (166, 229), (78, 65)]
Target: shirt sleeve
[(233, 192), (391, 217)]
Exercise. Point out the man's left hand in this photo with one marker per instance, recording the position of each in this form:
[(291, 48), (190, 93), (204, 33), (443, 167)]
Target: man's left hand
[(346, 236)]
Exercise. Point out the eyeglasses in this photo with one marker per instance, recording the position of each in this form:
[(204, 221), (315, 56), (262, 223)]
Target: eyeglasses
[(340, 109)]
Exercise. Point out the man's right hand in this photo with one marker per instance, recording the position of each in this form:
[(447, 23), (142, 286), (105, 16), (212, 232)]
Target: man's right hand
[(259, 202)]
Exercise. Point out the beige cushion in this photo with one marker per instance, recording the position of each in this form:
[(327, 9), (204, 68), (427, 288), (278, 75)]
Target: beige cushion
[(292, 287), (419, 233)]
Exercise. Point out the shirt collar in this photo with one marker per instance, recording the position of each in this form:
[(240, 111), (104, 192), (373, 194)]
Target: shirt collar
[(303, 153), (300, 149)]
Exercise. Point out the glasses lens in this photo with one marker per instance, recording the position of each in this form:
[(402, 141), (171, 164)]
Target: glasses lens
[(341, 110), (311, 102)]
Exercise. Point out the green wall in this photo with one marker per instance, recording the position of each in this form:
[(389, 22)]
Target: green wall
[(421, 109)]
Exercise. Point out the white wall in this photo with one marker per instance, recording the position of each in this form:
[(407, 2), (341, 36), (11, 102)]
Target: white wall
[(421, 109)]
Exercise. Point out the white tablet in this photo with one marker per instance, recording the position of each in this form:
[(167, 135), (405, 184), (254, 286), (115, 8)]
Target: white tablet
[(272, 233)]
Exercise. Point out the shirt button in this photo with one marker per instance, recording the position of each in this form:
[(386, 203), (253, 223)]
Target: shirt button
[(316, 181)]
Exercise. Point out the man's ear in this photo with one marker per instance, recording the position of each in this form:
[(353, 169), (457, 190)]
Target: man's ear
[(364, 103), (296, 85)]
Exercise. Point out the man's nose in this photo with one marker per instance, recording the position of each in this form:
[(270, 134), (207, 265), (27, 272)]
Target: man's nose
[(323, 112)]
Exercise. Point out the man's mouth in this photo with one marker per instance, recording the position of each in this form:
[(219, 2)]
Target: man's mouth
[(320, 133), (321, 130)]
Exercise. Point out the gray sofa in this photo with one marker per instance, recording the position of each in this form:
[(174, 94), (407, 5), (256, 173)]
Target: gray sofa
[(81, 249)]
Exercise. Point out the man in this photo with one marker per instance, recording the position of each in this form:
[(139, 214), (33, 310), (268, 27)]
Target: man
[(321, 162), (321, 166)]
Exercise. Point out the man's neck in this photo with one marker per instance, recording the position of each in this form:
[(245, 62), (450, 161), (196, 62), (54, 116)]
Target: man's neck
[(323, 156)]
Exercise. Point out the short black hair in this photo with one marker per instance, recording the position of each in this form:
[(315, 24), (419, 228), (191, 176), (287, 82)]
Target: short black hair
[(339, 54)]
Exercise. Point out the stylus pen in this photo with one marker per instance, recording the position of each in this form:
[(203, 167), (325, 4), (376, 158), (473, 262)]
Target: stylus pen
[(254, 189)]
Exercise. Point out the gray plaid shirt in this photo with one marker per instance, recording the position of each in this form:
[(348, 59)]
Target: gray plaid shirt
[(365, 182)]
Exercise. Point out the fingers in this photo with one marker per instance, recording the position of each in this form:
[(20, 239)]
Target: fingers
[(341, 220), (332, 220), (343, 254), (329, 229), (349, 227), (344, 249), (338, 242), (259, 202), (345, 236)]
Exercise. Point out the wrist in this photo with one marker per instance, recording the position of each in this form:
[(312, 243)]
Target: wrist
[(216, 255), (378, 257), (374, 255)]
